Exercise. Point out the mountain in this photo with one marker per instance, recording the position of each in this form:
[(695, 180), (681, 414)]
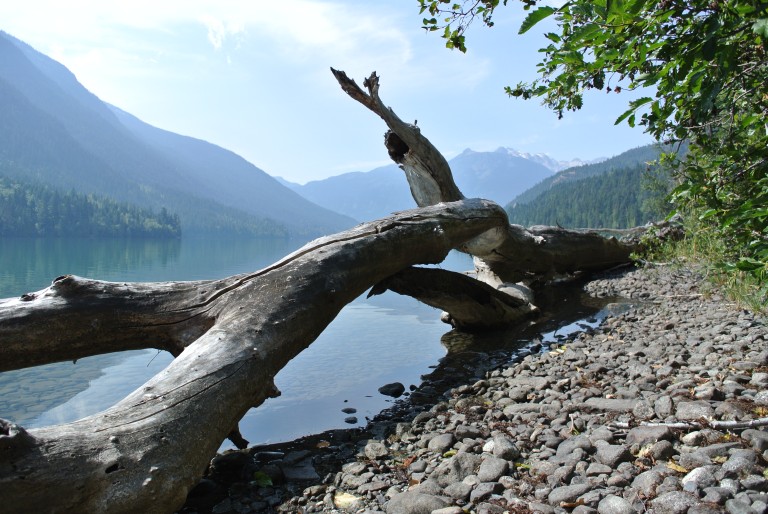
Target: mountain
[(497, 176), (361, 195), (547, 161), (630, 158), (40, 210), (622, 192), (55, 131)]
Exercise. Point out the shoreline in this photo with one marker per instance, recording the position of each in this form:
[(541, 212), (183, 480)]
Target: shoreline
[(559, 431)]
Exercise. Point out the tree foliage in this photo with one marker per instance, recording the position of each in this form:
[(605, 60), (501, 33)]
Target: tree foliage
[(39, 210), (614, 199), (704, 63), (640, 156)]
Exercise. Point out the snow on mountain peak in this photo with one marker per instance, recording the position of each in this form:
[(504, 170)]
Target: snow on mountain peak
[(545, 160)]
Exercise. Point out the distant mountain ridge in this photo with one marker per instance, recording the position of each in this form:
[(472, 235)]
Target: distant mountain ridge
[(611, 194), (55, 131), (544, 159), (499, 176), (633, 157)]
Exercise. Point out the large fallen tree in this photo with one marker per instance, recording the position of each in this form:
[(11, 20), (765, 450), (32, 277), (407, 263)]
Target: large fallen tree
[(231, 336)]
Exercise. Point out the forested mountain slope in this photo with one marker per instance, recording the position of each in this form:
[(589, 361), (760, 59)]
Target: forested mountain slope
[(55, 131), (40, 210), (628, 159), (618, 198)]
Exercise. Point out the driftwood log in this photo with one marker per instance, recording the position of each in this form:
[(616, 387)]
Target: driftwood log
[(231, 336), (506, 254)]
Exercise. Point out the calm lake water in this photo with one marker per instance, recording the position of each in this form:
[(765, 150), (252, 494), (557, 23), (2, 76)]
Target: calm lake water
[(388, 338), (372, 342)]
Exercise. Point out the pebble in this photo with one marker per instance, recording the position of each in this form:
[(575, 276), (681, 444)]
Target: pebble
[(611, 420)]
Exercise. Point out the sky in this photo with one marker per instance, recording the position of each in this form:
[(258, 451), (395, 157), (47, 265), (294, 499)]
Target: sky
[(253, 77)]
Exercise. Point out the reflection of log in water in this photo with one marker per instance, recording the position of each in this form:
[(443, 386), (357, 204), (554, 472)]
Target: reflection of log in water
[(564, 308)]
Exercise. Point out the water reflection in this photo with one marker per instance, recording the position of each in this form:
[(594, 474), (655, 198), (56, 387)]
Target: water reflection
[(387, 338), (563, 309), (92, 384), (365, 347), (28, 264), (117, 375), (27, 393)]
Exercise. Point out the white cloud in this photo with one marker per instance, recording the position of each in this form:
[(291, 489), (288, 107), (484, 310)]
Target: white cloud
[(216, 31), (315, 32), (312, 33)]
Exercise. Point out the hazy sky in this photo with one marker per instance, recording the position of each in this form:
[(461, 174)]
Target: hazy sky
[(253, 76)]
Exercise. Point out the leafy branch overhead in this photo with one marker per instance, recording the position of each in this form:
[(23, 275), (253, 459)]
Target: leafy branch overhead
[(703, 66)]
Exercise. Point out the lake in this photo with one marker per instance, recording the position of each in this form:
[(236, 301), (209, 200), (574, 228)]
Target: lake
[(372, 342)]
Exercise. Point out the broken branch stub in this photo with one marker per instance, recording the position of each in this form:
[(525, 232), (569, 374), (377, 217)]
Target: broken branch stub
[(426, 170)]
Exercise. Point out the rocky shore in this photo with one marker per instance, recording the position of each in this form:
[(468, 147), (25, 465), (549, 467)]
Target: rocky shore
[(662, 408)]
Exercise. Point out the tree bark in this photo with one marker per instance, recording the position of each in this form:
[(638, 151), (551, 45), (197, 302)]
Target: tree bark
[(232, 336), (470, 305)]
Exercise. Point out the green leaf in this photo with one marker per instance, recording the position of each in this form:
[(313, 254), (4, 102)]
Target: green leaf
[(760, 28), (535, 17), (634, 7), (586, 32), (749, 264), (262, 479), (633, 106), (757, 213), (614, 7)]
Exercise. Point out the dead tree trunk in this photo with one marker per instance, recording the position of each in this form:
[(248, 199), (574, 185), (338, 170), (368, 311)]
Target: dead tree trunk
[(146, 452), (231, 336), (503, 255)]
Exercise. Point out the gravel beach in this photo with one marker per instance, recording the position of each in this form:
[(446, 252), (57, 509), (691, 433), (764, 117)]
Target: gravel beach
[(662, 408)]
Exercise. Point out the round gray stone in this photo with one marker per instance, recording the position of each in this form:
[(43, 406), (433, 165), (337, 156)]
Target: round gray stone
[(613, 504), (569, 445), (441, 443), (395, 389), (647, 482), (648, 435), (567, 493), (457, 468), (692, 411), (613, 454), (459, 490), (698, 479), (492, 469), (505, 448), (414, 503), (673, 502), (375, 450)]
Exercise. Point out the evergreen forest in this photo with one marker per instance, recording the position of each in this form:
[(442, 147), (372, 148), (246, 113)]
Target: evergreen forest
[(619, 198), (34, 209)]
